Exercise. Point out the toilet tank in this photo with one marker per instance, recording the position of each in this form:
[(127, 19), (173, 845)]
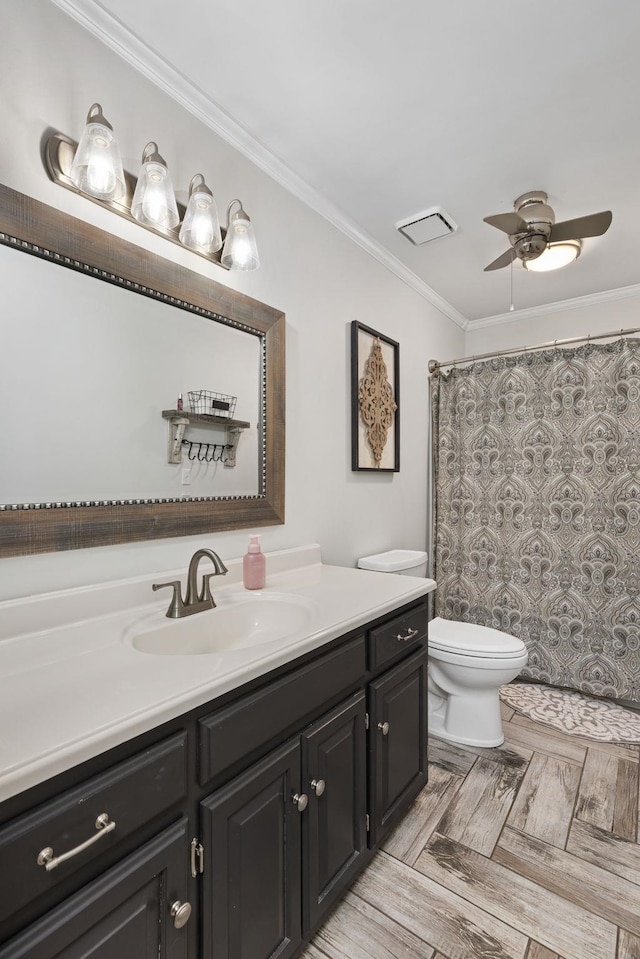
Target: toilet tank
[(407, 562)]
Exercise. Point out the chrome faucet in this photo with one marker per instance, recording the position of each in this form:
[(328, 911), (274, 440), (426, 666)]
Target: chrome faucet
[(195, 600)]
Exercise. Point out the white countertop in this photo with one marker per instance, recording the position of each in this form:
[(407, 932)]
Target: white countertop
[(72, 685)]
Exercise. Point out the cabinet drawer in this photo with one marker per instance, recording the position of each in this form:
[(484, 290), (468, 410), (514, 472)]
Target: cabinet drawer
[(237, 732), (130, 795), (397, 636)]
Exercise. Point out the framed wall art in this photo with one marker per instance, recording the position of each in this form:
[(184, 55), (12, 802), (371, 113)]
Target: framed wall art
[(375, 401)]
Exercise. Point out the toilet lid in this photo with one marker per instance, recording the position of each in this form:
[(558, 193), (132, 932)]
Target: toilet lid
[(471, 640)]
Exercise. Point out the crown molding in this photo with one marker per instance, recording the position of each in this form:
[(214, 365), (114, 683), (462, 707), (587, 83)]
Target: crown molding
[(560, 306), (112, 33)]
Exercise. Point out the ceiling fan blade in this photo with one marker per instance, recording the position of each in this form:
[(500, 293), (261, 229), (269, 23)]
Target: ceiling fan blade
[(594, 225), (508, 223), (503, 260)]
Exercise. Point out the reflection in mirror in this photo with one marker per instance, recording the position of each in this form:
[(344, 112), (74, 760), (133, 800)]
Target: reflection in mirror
[(100, 365), (88, 367)]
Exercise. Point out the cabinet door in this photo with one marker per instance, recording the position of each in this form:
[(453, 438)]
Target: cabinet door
[(334, 832), (127, 912), (251, 882), (397, 741)]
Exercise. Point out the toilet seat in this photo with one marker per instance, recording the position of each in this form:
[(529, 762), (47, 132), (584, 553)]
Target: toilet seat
[(470, 640)]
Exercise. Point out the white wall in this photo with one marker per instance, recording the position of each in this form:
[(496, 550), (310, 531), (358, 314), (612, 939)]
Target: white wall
[(50, 73), (578, 318)]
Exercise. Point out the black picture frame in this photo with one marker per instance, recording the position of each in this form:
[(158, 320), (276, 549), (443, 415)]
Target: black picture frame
[(362, 456)]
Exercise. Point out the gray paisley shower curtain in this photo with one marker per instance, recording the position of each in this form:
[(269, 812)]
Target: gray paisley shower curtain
[(537, 508)]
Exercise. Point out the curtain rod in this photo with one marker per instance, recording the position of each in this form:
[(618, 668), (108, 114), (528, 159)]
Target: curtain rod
[(434, 365)]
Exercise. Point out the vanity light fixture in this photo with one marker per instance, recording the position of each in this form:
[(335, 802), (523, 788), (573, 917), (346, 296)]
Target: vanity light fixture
[(93, 168), (154, 202), (200, 228), (239, 251), (97, 165), (555, 256)]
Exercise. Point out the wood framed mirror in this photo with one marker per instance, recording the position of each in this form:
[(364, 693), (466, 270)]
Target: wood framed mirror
[(38, 524)]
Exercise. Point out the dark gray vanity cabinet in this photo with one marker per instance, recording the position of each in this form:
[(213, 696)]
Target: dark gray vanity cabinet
[(282, 839), (251, 850), (254, 812), (130, 911), (334, 825), (398, 728), (56, 858), (291, 831)]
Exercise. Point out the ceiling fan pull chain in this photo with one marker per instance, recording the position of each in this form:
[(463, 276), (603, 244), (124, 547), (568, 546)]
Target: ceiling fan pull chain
[(511, 308)]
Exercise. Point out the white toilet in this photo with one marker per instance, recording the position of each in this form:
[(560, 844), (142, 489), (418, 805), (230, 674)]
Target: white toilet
[(467, 665)]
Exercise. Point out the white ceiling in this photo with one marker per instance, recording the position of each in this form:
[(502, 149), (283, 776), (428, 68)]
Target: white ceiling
[(373, 112)]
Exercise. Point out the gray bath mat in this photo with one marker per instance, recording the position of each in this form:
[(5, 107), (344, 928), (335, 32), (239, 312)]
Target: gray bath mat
[(574, 713)]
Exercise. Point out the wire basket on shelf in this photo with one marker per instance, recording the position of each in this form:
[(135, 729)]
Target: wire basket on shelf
[(215, 404)]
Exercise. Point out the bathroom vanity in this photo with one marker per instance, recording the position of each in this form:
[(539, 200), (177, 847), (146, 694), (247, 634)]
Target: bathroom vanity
[(216, 804)]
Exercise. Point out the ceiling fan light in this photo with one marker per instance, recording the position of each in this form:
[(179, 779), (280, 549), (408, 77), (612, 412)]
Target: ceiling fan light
[(555, 256)]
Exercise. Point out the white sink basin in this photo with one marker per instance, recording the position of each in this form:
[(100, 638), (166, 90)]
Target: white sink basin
[(235, 623)]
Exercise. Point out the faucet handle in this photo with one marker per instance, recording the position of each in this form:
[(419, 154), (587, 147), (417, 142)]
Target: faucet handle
[(175, 606)]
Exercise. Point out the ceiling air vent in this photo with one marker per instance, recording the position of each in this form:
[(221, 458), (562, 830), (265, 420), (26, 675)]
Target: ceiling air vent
[(426, 226)]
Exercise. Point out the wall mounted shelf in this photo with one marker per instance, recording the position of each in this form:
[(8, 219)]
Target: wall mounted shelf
[(179, 420)]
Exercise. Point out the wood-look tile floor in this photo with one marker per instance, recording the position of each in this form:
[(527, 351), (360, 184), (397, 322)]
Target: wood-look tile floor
[(528, 851)]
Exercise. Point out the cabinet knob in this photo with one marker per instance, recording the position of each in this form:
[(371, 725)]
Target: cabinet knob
[(180, 912), (318, 786), (301, 800), (384, 728)]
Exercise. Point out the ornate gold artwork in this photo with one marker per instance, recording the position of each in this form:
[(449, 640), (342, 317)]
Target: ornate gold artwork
[(377, 405)]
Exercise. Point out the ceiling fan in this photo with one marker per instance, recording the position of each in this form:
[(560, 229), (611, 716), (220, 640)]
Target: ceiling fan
[(532, 228)]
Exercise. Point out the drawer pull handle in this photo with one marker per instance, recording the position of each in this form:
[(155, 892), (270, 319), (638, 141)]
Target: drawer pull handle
[(410, 633), (318, 786), (300, 800), (180, 912), (49, 861), (384, 728)]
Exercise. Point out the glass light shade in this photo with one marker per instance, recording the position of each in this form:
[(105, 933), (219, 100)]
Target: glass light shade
[(154, 202), (97, 165), (240, 251), (555, 256), (200, 228)]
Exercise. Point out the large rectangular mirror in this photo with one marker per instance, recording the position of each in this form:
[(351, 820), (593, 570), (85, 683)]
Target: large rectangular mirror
[(93, 361)]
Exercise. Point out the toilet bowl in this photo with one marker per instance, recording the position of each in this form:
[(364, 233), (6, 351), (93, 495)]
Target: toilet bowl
[(467, 665)]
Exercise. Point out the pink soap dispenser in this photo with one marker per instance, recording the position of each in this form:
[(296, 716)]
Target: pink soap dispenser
[(253, 565)]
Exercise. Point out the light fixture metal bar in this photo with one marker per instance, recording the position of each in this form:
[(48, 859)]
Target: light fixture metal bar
[(435, 365), (58, 156)]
